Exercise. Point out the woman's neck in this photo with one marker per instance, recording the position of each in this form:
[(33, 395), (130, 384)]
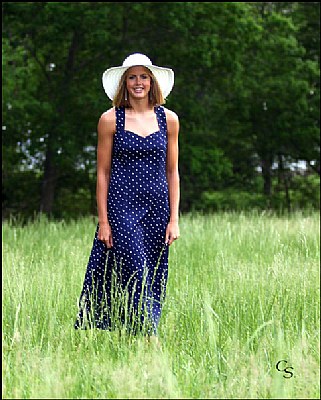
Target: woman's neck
[(140, 107)]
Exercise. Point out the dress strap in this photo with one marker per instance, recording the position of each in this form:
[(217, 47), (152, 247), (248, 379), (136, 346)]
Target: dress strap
[(161, 117), (120, 118)]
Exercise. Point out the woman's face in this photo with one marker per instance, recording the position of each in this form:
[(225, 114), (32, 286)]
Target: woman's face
[(138, 82)]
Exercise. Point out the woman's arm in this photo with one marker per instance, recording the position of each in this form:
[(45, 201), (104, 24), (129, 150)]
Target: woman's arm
[(172, 172), (106, 129)]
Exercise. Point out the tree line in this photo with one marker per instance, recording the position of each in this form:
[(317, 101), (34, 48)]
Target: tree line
[(247, 92)]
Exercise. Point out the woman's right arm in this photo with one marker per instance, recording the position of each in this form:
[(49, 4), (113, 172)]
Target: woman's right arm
[(105, 130)]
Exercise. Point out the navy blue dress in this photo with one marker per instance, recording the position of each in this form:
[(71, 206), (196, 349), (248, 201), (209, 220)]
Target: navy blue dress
[(125, 285)]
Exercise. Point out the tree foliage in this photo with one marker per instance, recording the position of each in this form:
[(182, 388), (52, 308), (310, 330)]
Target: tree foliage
[(246, 91)]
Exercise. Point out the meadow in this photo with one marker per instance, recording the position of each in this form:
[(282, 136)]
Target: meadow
[(242, 299)]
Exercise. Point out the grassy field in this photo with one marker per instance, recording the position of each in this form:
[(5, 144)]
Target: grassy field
[(243, 294)]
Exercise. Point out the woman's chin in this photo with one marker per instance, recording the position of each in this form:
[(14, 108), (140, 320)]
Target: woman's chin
[(139, 96)]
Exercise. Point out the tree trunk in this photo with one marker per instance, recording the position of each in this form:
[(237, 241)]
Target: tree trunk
[(50, 171), (266, 172), (49, 184), (283, 177), (287, 194)]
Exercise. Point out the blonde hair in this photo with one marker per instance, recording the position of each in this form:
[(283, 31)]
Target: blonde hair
[(155, 94)]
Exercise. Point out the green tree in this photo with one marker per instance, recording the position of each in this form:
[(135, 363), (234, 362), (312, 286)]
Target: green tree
[(279, 84), (62, 109), (246, 91)]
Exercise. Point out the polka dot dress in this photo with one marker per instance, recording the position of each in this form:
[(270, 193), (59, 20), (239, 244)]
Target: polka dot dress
[(125, 285)]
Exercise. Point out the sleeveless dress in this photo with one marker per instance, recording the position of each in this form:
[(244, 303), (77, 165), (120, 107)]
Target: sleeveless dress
[(125, 285)]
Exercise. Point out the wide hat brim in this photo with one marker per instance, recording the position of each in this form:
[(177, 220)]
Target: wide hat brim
[(111, 78)]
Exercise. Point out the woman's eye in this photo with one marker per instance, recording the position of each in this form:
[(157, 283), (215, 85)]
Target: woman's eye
[(131, 77)]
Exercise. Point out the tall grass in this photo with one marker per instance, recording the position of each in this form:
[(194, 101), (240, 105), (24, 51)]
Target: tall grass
[(242, 294)]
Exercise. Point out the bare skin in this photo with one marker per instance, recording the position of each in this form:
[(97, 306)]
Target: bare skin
[(141, 120)]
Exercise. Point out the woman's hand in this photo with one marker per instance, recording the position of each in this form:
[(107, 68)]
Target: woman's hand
[(172, 232), (105, 234)]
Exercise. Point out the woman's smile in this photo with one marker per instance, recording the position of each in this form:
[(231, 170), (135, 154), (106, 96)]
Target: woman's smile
[(138, 81)]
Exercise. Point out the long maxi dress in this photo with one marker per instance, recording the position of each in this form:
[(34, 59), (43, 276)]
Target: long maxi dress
[(125, 285)]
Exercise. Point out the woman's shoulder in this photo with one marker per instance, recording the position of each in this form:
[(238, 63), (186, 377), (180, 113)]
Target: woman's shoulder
[(172, 121), (107, 120), (171, 116), (108, 115)]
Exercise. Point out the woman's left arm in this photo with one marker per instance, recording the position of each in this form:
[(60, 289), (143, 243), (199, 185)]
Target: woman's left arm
[(172, 172)]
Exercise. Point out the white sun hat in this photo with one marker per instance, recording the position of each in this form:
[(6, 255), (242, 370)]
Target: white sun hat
[(112, 76)]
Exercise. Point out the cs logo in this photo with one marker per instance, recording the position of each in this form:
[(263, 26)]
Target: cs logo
[(280, 367)]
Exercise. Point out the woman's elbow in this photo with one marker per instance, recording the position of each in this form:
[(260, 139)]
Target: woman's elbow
[(172, 173), (103, 177)]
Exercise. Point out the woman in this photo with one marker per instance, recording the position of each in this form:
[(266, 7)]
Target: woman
[(137, 200)]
